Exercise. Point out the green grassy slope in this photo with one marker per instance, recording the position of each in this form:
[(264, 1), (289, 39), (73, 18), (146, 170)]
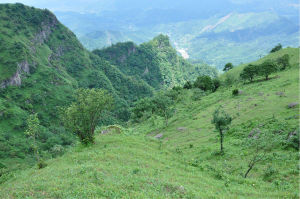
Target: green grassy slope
[(185, 162), (42, 63)]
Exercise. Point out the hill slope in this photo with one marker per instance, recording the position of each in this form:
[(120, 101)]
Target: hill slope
[(41, 65), (185, 162)]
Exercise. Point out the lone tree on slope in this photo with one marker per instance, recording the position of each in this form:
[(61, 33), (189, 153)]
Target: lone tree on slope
[(83, 115), (221, 120)]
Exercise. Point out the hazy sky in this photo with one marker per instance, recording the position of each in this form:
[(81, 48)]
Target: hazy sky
[(67, 5), (96, 6)]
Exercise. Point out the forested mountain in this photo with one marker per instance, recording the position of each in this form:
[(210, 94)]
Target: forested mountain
[(42, 63), (156, 62)]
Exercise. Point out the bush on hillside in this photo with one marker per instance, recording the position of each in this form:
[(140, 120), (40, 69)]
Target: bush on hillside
[(276, 48), (235, 92), (197, 94), (283, 62), (216, 83), (188, 85), (205, 83), (228, 67), (83, 115)]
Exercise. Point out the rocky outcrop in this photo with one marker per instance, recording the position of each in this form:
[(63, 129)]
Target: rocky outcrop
[(16, 80)]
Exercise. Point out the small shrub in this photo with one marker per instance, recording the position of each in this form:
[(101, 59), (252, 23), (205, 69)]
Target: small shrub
[(197, 94), (269, 173), (235, 92), (276, 48), (188, 85), (42, 164)]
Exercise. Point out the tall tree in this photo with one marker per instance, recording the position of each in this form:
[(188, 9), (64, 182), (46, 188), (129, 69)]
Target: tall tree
[(249, 72), (266, 68)]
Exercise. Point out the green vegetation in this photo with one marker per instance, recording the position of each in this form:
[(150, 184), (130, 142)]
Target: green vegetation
[(154, 143), (42, 64), (83, 115), (32, 131), (156, 62), (276, 48), (221, 120), (185, 156), (228, 67)]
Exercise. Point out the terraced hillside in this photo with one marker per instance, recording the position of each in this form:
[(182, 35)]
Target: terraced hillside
[(185, 161)]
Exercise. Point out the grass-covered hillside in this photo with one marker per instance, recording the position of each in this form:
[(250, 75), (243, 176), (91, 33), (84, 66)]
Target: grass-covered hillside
[(182, 160), (156, 62), (41, 65)]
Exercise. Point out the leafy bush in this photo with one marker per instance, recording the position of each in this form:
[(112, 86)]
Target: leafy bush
[(83, 115), (283, 62), (276, 48), (228, 67), (188, 85), (41, 164), (197, 94), (235, 92), (205, 83), (269, 173)]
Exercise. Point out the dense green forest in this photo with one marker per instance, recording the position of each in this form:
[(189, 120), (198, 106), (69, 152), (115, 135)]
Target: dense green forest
[(139, 121)]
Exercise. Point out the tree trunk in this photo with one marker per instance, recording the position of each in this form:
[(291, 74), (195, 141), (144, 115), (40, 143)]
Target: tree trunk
[(267, 77), (221, 135), (166, 121), (249, 169)]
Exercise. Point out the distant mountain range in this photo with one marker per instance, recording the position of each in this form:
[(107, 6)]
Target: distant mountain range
[(215, 32)]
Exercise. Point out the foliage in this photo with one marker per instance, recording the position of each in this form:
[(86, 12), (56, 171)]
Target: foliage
[(83, 115), (276, 48), (188, 85), (249, 72), (228, 67), (283, 62), (205, 83), (162, 106), (221, 120), (235, 92), (259, 145), (156, 62), (266, 68), (33, 131)]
